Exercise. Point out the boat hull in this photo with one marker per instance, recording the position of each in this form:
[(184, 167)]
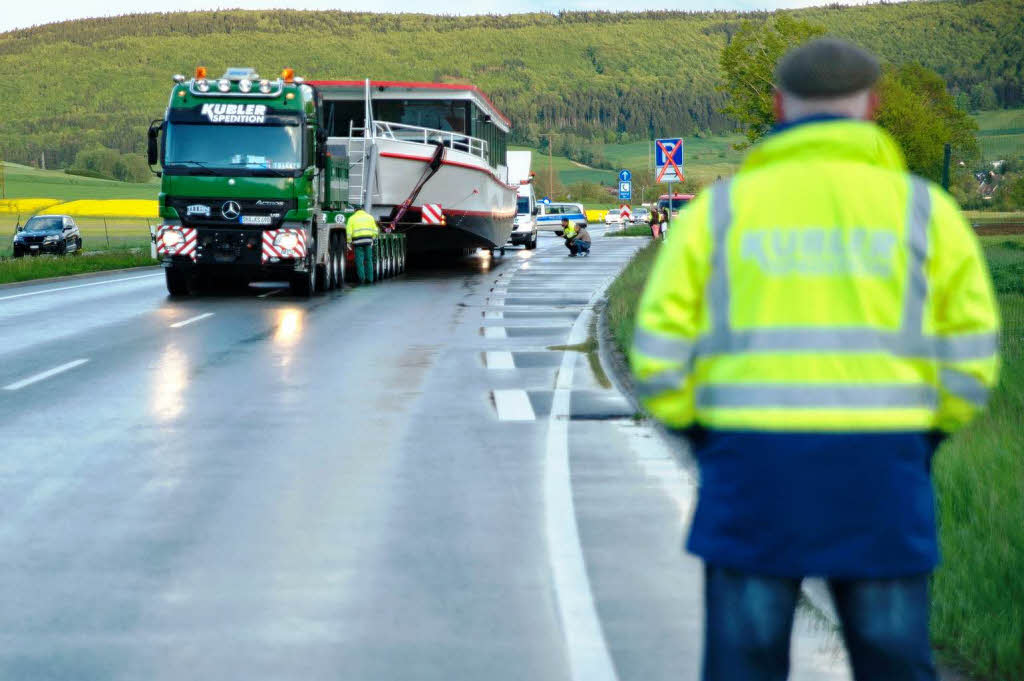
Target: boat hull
[(479, 208)]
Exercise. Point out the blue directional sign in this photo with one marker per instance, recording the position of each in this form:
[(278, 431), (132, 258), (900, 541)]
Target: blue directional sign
[(625, 176), (545, 201), (625, 190), (668, 158)]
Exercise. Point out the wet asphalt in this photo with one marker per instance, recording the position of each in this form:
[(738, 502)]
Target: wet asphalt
[(363, 485)]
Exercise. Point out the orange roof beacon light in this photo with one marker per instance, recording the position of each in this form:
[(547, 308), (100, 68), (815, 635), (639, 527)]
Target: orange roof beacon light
[(288, 75), (200, 72)]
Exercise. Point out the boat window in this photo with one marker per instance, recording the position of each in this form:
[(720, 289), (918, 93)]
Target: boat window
[(437, 114)]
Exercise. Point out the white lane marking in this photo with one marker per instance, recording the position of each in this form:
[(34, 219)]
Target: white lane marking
[(499, 360), (513, 405), (589, 658), (495, 332), (18, 385), (65, 288), (191, 320), (493, 315)]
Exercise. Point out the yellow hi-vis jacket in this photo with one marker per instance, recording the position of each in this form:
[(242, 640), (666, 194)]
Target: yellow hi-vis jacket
[(821, 289), (362, 226), (569, 231)]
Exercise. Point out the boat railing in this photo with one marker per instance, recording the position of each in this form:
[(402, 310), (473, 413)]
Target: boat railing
[(414, 133)]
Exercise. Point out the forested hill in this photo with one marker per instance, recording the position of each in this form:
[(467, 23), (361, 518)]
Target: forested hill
[(596, 75)]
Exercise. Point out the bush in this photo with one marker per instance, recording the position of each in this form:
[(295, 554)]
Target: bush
[(109, 164)]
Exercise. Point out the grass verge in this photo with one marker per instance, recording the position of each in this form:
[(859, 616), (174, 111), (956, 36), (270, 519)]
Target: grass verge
[(978, 591), (632, 230), (39, 267)]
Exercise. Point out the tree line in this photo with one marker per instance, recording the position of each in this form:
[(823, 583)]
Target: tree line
[(593, 77)]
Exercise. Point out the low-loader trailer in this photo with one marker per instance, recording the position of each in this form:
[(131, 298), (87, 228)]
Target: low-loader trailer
[(249, 189)]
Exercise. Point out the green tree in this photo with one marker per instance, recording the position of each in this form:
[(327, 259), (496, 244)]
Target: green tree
[(918, 111), (748, 67)]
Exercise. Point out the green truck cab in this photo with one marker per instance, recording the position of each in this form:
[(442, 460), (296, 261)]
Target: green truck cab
[(248, 189)]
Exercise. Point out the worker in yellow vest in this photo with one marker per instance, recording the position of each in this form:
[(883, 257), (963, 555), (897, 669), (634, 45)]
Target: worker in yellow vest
[(362, 232), (569, 233), (815, 328)]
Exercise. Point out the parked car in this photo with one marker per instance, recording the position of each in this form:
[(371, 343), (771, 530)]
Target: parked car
[(551, 214), (641, 215), (47, 234), (613, 217)]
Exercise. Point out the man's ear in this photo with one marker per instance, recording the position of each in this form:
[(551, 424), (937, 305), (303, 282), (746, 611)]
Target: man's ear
[(777, 106), (874, 103)]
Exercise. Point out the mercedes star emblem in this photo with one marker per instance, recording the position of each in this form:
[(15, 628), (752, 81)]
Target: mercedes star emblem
[(230, 210)]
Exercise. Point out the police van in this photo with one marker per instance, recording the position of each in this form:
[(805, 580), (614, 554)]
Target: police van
[(551, 214)]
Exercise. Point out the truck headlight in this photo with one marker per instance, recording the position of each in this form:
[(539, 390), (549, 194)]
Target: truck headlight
[(203, 85), (172, 238), (286, 241), (223, 84), (245, 85), (265, 86)]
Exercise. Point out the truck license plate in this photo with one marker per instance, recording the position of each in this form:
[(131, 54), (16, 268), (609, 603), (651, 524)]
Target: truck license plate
[(255, 219)]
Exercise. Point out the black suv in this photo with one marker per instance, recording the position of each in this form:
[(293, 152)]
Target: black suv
[(48, 234)]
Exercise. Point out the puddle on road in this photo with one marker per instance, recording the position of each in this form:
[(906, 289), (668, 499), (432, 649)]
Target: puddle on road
[(589, 348)]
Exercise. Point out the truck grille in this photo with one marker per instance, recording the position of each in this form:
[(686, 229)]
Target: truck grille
[(244, 213)]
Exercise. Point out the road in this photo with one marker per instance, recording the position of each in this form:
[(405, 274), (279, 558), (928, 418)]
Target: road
[(409, 481)]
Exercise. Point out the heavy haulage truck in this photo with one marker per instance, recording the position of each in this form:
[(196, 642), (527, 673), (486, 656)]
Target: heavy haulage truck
[(249, 189)]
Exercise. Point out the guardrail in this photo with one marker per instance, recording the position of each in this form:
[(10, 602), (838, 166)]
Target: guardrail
[(415, 133)]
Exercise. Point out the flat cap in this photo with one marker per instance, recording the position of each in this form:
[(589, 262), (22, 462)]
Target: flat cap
[(826, 68)]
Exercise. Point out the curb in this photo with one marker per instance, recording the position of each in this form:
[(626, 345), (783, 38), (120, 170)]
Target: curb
[(73, 277)]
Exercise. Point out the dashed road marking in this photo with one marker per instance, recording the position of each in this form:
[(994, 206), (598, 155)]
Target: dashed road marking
[(513, 405), (43, 375), (495, 332), (489, 314), (499, 360), (191, 320)]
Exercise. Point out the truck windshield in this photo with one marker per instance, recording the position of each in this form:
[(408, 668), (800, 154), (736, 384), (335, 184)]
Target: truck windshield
[(234, 147), (677, 203), (523, 205)]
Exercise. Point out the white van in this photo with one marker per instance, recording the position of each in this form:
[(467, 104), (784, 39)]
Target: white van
[(524, 229)]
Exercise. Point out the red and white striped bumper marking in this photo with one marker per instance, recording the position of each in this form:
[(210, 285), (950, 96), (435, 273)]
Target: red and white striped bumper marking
[(432, 214), (625, 213), (272, 253), (187, 247)]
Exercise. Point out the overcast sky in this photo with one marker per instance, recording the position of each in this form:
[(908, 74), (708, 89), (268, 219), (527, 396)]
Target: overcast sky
[(20, 14)]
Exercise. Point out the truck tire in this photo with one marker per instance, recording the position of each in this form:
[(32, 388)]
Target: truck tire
[(339, 265), (533, 242), (303, 284), (177, 282)]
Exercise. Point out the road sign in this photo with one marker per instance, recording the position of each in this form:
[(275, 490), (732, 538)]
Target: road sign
[(625, 214), (625, 176), (625, 191), (545, 201), (668, 158)]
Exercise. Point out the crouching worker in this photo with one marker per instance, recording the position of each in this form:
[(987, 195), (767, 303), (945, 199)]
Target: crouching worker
[(569, 233), (362, 232), (582, 241)]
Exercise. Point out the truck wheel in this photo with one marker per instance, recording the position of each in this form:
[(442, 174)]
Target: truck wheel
[(177, 282), (325, 273), (401, 256), (339, 266), (304, 283), (533, 242)]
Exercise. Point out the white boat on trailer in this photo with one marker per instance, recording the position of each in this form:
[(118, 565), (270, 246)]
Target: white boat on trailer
[(412, 145)]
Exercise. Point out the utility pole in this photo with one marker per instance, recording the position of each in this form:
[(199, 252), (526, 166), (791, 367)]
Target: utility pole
[(3, 181), (551, 176)]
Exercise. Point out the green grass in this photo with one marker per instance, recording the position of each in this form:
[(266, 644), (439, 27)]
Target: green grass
[(25, 182), (632, 230), (978, 591), (1001, 133), (26, 269), (624, 294)]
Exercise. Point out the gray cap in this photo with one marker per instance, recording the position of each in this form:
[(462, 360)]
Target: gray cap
[(826, 68)]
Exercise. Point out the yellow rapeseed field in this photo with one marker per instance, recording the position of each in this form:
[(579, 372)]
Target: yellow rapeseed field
[(596, 215), (98, 208)]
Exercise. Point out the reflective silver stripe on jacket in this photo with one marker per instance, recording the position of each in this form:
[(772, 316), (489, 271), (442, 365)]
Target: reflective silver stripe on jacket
[(663, 381), (817, 395), (964, 386), (660, 346)]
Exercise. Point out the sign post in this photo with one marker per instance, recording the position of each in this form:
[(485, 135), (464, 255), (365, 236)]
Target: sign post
[(625, 194), (668, 162)]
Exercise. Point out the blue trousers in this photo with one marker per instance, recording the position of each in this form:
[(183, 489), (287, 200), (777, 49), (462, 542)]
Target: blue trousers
[(749, 619)]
